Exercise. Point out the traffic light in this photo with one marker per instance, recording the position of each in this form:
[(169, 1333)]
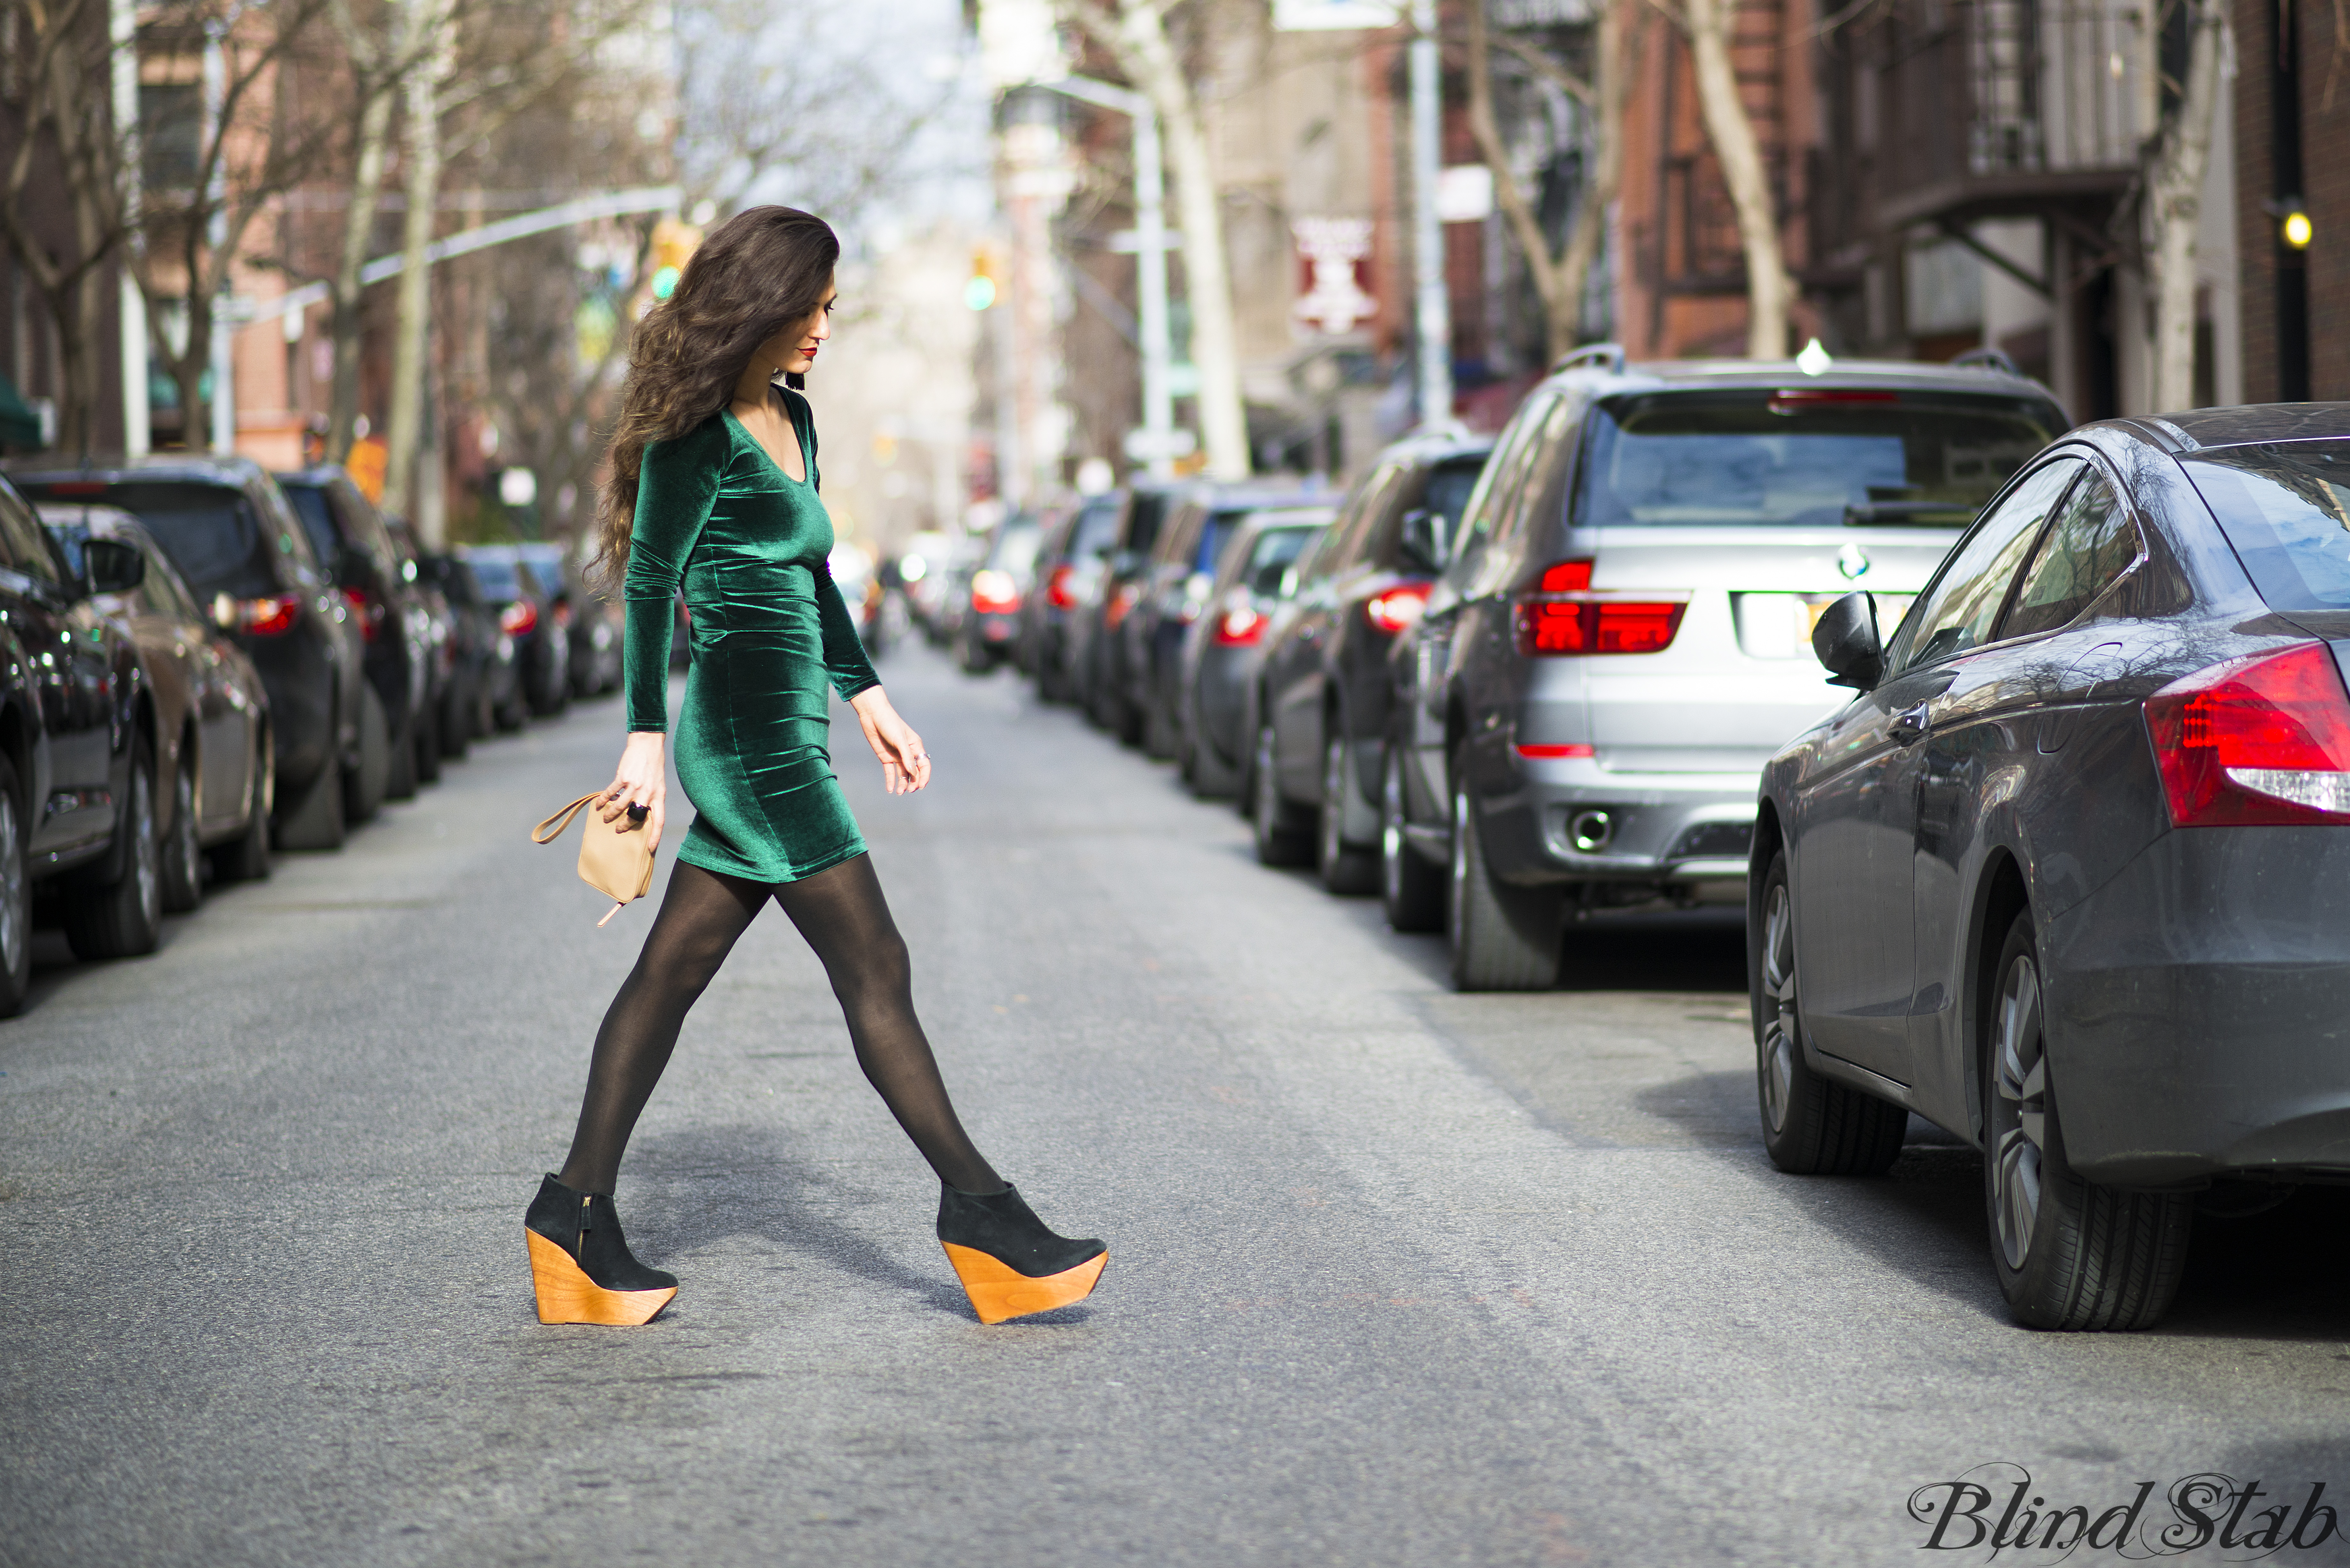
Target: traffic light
[(2296, 230), (986, 279), (673, 243)]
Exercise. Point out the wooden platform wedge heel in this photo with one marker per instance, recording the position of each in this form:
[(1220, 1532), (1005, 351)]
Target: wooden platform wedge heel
[(581, 1265), (1010, 1264)]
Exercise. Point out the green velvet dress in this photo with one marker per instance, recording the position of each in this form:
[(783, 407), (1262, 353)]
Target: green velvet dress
[(769, 629)]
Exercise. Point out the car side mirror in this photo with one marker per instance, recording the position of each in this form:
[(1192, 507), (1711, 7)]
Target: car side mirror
[(111, 566), (1420, 545), (1844, 640)]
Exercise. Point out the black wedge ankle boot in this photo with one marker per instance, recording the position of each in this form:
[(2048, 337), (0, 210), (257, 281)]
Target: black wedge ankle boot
[(580, 1263), (1010, 1264)]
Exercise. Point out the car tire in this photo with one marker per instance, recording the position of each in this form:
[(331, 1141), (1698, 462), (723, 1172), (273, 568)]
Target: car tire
[(315, 820), (15, 897), (425, 731), (183, 850), (1347, 870), (123, 918), (1411, 887), (1281, 836), (245, 859), (400, 762), (1503, 938), (455, 731), (1811, 1125), (363, 785), (1160, 737), (2070, 1254)]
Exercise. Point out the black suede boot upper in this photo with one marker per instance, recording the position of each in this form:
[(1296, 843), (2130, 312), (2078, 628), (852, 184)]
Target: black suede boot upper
[(1002, 1225), (585, 1225)]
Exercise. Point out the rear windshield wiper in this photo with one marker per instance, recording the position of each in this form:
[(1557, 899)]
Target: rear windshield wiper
[(1934, 514)]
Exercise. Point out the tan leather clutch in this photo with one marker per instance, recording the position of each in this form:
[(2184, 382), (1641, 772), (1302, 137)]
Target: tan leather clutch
[(616, 858)]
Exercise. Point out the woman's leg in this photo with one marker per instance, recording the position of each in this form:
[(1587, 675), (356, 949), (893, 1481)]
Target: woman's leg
[(845, 919), (701, 916)]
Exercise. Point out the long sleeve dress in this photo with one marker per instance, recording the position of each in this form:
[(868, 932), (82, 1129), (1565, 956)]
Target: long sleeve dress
[(769, 630)]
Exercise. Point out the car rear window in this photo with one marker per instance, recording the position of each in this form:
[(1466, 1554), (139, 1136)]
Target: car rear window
[(1095, 530), (1274, 552), (1015, 549), (1804, 458), (318, 519), (2286, 509), (208, 530), (498, 578)]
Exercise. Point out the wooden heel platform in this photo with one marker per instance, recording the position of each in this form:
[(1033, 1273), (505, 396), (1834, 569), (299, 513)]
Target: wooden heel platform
[(999, 1293), (566, 1294)]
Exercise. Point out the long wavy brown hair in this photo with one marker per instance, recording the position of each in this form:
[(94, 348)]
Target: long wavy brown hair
[(758, 273)]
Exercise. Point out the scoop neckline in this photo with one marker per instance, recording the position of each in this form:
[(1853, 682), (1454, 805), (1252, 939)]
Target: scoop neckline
[(760, 447)]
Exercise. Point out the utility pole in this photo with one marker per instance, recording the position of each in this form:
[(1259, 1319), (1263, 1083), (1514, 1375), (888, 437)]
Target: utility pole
[(224, 398), (123, 37), (1432, 305), (1151, 243)]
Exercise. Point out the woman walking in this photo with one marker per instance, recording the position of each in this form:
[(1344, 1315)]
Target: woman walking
[(713, 483)]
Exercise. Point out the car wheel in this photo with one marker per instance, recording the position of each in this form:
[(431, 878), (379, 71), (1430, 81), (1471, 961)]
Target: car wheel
[(124, 918), (1281, 839), (1160, 739), (1411, 886), (425, 733), (2070, 1254), (184, 851), (400, 762), (455, 731), (1503, 938), (247, 858), (1811, 1125), (363, 785), (16, 899), (1347, 869)]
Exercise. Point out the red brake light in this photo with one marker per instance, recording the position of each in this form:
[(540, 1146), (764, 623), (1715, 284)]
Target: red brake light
[(1056, 588), (563, 612), (1120, 602), (76, 487), (1791, 399), (1547, 752), (1564, 615), (994, 593), (2257, 742), (371, 613), (519, 617), (1241, 627), (270, 617), (1398, 608)]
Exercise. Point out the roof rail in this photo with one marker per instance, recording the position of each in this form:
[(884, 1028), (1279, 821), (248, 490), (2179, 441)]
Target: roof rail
[(1608, 357), (1986, 359)]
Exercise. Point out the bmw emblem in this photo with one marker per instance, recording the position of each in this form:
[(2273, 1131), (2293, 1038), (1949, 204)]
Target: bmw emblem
[(1853, 562)]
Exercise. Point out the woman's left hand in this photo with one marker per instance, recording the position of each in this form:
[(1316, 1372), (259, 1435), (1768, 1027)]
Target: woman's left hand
[(905, 765)]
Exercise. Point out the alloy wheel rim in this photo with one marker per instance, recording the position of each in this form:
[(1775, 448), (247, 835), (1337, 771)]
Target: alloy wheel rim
[(1391, 829), (1267, 793), (1457, 866), (13, 912), (184, 847), (146, 855), (2019, 1110), (1333, 840), (1779, 1037)]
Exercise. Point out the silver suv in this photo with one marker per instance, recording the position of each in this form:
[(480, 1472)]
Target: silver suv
[(1621, 636)]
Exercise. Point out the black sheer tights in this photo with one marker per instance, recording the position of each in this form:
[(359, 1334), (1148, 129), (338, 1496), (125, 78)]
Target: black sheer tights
[(845, 919)]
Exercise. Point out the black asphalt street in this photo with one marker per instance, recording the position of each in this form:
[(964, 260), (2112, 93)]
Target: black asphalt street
[(1397, 1276)]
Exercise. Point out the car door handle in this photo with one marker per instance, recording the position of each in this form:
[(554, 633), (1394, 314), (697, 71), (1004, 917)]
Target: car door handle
[(1909, 726)]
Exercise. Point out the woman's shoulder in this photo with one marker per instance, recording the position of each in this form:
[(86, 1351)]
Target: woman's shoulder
[(802, 411), (705, 442)]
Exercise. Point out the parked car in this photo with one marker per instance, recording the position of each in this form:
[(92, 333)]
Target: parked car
[(1174, 586), (1218, 663), (433, 626), (591, 622), (2070, 875), (351, 540), (1098, 652), (526, 613), (210, 710), (1068, 565), (1318, 712), (241, 549), (484, 681), (999, 587), (1615, 645)]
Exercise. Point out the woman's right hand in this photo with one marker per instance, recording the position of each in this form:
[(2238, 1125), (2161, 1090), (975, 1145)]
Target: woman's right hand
[(642, 779)]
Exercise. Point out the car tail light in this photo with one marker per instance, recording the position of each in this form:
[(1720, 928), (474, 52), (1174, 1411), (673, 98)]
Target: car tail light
[(1790, 400), (1119, 603), (518, 618), (1564, 615), (370, 613), (1240, 626), (76, 487), (270, 617), (994, 593), (1057, 592), (1398, 608), (1548, 753), (563, 613), (2263, 741)]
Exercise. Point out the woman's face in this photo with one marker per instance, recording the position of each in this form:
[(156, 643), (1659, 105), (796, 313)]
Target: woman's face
[(792, 350)]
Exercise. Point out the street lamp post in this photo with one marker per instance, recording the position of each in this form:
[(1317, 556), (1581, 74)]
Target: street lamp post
[(1432, 307)]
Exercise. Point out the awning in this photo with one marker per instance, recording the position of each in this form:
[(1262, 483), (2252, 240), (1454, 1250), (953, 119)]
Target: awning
[(20, 427)]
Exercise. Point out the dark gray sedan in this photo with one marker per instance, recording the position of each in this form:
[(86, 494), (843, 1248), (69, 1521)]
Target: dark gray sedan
[(2070, 876), (1222, 645)]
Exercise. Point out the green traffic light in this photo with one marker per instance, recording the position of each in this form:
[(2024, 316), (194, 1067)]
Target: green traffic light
[(979, 292), (664, 283)]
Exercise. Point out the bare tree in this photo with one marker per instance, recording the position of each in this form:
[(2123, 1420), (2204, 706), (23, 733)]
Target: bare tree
[(55, 60), (1769, 292), (2181, 157), (1559, 277)]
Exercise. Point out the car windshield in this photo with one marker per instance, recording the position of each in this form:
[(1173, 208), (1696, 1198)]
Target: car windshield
[(2286, 509), (318, 522), (1804, 458), (208, 530)]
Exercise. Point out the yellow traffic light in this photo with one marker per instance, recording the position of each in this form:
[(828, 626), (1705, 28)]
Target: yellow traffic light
[(985, 285), (673, 245), (2296, 228)]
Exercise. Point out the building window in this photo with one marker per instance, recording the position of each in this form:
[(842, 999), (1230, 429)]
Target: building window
[(171, 135)]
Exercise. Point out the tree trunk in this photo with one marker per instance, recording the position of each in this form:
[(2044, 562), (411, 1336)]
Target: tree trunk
[(1207, 285), (359, 230), (412, 335), (1732, 135), (2177, 203)]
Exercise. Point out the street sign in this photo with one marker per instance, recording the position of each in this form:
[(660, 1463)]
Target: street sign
[(1147, 446)]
